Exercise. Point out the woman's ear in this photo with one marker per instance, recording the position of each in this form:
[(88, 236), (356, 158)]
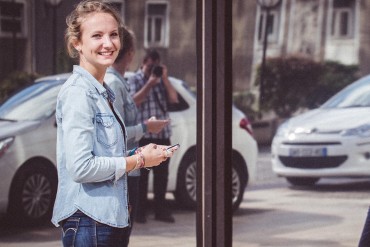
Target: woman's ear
[(78, 48), (77, 45)]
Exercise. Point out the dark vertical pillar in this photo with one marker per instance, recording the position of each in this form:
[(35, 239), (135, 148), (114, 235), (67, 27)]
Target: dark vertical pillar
[(214, 100)]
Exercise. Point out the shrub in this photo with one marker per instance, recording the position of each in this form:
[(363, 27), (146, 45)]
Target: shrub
[(244, 101), (294, 82), (333, 78)]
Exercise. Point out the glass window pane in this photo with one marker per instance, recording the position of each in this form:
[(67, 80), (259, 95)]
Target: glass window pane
[(21, 106), (149, 29), (270, 24), (157, 9), (342, 3), (10, 25), (11, 9), (344, 24), (333, 23), (158, 30)]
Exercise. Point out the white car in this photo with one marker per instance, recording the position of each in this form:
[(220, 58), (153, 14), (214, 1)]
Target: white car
[(28, 177), (330, 141)]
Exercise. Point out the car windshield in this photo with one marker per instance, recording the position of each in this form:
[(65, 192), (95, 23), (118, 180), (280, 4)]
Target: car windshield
[(355, 95), (32, 103)]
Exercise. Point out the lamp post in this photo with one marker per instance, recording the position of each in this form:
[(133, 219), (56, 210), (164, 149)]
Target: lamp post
[(54, 5), (267, 6)]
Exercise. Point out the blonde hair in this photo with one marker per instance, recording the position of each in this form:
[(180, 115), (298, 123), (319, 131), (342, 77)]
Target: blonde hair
[(77, 16)]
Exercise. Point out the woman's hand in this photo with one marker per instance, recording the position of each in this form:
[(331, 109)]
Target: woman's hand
[(168, 150), (155, 154), (155, 126)]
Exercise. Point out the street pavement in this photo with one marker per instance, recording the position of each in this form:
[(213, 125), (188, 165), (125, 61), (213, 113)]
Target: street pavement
[(277, 217)]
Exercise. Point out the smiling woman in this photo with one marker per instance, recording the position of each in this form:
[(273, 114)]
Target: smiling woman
[(92, 155)]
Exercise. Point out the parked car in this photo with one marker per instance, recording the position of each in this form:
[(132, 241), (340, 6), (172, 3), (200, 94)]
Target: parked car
[(28, 178), (330, 141)]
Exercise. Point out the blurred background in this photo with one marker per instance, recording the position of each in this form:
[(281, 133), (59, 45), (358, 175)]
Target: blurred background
[(289, 57)]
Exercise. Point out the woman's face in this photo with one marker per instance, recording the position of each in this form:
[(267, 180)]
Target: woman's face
[(100, 42)]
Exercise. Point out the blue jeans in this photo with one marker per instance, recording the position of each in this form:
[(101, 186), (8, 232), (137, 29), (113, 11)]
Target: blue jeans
[(80, 230), (365, 236)]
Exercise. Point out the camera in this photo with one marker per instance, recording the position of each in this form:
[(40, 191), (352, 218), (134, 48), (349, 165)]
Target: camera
[(157, 71)]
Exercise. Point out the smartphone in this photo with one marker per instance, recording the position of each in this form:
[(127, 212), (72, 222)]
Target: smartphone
[(176, 145)]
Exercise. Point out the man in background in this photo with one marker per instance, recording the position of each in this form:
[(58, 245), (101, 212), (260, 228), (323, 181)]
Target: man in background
[(151, 90)]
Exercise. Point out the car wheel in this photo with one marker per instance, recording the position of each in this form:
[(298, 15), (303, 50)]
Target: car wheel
[(33, 194), (302, 181), (239, 182), (185, 193)]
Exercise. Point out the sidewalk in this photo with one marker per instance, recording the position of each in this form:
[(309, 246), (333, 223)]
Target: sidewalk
[(155, 233), (277, 217), (182, 233)]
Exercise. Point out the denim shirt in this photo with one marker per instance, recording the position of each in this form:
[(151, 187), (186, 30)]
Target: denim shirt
[(90, 153)]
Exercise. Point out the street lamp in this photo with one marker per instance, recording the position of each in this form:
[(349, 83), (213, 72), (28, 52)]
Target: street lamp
[(267, 6), (54, 5)]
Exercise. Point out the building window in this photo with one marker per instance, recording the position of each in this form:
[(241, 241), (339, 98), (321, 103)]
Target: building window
[(156, 24), (271, 22), (12, 18), (342, 19)]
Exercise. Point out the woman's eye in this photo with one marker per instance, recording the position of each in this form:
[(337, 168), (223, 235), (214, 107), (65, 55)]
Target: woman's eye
[(96, 36), (114, 34)]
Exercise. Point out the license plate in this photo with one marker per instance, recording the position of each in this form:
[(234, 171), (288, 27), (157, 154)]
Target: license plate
[(308, 152)]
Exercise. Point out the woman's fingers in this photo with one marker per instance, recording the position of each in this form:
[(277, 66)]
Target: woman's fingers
[(156, 154)]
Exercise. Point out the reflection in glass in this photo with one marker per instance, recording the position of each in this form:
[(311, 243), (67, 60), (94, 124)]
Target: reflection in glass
[(355, 95), (32, 103)]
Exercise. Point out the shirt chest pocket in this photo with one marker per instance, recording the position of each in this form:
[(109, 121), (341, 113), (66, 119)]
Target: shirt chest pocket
[(106, 129)]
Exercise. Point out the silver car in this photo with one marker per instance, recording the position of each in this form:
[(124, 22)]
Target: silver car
[(28, 177)]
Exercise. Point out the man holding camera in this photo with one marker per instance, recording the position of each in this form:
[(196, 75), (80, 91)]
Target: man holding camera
[(151, 91)]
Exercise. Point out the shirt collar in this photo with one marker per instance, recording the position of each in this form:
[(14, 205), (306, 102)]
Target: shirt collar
[(105, 91), (109, 94)]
